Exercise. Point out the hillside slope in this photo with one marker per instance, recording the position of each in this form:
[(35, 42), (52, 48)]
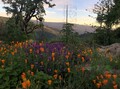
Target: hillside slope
[(81, 29), (55, 27)]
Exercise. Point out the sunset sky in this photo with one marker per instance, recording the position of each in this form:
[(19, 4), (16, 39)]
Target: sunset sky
[(77, 11)]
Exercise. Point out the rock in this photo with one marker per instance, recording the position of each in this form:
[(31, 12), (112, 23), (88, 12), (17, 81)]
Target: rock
[(111, 50)]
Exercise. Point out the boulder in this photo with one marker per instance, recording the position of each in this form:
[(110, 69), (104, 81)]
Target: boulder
[(111, 50)]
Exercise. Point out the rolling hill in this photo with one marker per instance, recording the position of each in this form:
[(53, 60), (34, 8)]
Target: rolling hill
[(55, 27), (81, 29)]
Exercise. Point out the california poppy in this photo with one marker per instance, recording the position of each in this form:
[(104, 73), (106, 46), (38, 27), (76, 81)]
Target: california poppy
[(49, 82)]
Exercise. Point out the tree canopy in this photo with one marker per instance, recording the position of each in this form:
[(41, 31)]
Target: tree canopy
[(102, 8), (108, 12), (114, 14), (24, 10), (108, 15)]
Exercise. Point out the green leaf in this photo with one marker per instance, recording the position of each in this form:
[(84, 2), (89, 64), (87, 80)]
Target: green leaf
[(1, 76)]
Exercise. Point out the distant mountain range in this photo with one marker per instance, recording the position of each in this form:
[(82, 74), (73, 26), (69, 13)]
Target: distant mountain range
[(55, 27), (81, 29)]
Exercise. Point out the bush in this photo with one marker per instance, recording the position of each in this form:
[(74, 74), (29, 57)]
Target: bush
[(69, 36), (116, 35), (13, 32), (103, 37)]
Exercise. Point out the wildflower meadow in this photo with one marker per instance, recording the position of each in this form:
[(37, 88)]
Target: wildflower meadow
[(39, 65), (75, 46)]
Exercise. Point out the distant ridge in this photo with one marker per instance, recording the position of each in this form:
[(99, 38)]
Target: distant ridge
[(81, 29), (57, 26)]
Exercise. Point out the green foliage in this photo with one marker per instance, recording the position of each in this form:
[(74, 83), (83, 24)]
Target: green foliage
[(114, 14), (116, 35), (102, 8), (39, 81), (2, 27), (24, 10), (10, 76), (87, 39), (13, 32), (19, 57), (69, 36), (115, 63), (106, 17), (102, 37)]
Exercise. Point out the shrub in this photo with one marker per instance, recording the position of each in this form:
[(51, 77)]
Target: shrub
[(69, 36), (13, 32), (102, 37)]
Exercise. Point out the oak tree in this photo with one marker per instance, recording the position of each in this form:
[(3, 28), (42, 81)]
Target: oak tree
[(24, 10)]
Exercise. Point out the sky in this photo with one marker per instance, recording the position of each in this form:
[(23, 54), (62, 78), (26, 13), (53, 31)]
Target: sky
[(76, 10)]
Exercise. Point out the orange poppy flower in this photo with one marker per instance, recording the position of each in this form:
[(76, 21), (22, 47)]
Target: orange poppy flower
[(68, 53), (13, 53), (23, 76), (53, 54), (53, 58), (30, 50), (55, 71), (68, 69), (78, 55), (3, 61), (55, 76), (67, 63), (67, 56), (115, 86), (83, 59), (105, 81), (49, 82), (108, 75), (114, 76), (24, 85), (98, 85), (28, 83), (32, 66), (42, 49)]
